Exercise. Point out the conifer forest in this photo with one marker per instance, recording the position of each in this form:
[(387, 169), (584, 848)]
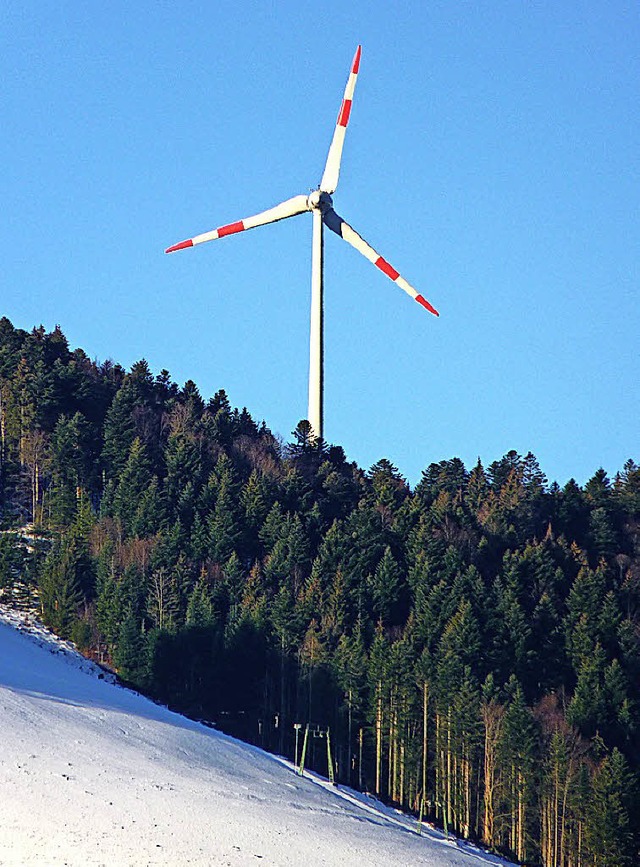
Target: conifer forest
[(470, 646)]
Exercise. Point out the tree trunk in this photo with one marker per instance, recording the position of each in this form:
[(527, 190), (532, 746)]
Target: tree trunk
[(401, 780), (3, 431), (513, 809), (448, 772), (349, 735), (438, 769), (389, 748), (467, 794), (521, 799), (282, 700), (378, 736), (492, 717), (556, 787), (425, 705)]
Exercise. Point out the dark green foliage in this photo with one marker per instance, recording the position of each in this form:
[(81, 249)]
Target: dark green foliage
[(612, 804), (19, 571), (71, 471), (260, 586), (133, 484), (59, 586), (10, 561), (386, 590), (129, 654), (199, 607)]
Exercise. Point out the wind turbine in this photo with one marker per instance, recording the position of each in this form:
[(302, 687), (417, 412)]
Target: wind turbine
[(320, 203)]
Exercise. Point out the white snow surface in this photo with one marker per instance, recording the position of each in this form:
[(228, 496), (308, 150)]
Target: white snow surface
[(95, 774)]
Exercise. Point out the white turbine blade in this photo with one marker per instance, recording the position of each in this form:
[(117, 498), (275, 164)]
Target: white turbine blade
[(329, 180), (296, 205), (340, 227)]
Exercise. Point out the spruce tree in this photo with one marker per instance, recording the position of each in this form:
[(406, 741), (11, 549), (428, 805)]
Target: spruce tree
[(609, 828)]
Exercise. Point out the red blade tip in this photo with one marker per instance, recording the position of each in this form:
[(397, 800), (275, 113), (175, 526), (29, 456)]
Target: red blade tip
[(421, 300), (181, 246), (355, 66)]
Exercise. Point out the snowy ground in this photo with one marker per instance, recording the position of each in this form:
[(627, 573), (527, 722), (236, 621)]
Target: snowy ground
[(94, 774)]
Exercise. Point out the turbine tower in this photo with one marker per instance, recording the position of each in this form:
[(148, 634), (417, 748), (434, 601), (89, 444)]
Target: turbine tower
[(320, 203)]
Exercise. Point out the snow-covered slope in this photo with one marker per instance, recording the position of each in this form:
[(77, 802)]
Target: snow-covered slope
[(94, 774)]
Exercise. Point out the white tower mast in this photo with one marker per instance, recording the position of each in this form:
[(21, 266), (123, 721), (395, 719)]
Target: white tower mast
[(316, 335)]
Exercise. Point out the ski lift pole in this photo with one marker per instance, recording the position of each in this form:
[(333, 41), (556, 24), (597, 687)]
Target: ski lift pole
[(329, 762), (304, 751), (297, 727)]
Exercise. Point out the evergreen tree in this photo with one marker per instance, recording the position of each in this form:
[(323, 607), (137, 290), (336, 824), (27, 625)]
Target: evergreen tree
[(386, 589), (225, 532), (134, 483), (119, 432), (129, 653), (199, 606), (61, 581), (609, 829)]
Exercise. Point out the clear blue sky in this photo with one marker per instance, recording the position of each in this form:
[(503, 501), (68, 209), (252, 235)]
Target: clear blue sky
[(493, 157)]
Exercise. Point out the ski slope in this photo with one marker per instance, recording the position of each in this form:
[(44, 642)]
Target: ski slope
[(94, 774)]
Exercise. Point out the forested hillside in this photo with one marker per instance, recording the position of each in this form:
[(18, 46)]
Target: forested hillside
[(472, 645)]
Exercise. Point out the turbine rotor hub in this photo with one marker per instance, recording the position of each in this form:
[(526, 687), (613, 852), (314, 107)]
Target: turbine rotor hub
[(319, 201)]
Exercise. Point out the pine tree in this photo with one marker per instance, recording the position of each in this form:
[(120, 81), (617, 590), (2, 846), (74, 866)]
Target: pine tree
[(234, 579), (9, 561), (518, 755), (129, 653), (627, 488), (603, 535), (149, 515), (184, 471), (587, 708), (608, 830), (349, 663), (119, 433), (386, 589), (134, 482), (70, 473), (255, 501), (492, 713), (273, 527), (199, 607), (59, 586), (378, 671)]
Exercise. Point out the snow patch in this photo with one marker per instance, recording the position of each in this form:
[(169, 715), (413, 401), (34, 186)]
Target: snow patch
[(92, 773)]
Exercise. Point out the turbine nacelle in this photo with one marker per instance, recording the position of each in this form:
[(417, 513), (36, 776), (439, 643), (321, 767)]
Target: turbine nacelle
[(319, 201)]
